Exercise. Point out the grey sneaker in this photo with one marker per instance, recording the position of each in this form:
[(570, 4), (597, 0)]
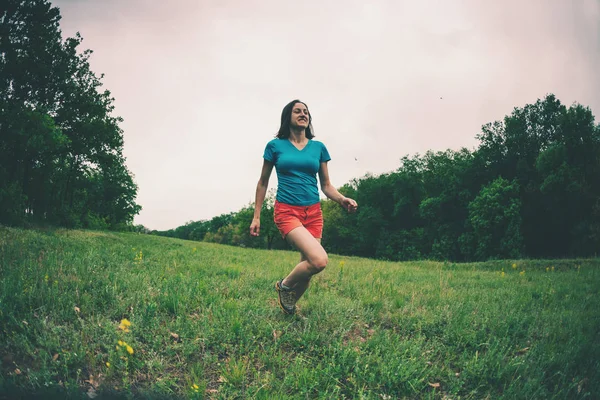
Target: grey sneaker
[(287, 298)]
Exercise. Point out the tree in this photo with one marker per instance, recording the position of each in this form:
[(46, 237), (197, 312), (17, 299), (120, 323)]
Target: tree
[(569, 173), (449, 183), (552, 152), (340, 234), (495, 216), (61, 147)]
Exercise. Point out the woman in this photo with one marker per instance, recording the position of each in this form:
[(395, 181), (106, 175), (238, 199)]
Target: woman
[(297, 159)]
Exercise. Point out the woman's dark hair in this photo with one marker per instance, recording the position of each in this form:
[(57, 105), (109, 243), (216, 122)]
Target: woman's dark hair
[(286, 116)]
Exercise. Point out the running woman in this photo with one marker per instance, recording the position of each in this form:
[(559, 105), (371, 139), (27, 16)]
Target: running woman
[(298, 159)]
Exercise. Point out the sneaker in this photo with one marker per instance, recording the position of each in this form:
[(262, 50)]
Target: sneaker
[(287, 298)]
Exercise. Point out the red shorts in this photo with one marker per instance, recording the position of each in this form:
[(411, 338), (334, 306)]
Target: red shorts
[(289, 217)]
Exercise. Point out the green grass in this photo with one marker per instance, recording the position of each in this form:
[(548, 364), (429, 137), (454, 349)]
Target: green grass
[(205, 315)]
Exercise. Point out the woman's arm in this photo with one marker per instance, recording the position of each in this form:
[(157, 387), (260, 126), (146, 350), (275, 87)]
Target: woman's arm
[(332, 193), (261, 192)]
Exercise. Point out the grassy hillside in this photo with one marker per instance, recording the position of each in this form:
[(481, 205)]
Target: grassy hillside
[(204, 323)]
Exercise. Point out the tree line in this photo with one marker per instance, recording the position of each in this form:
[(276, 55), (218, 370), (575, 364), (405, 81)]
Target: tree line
[(61, 149), (530, 189)]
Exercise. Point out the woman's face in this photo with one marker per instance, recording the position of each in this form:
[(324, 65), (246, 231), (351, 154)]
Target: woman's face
[(300, 116)]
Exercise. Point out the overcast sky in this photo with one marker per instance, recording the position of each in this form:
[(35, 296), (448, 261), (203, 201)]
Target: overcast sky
[(201, 84)]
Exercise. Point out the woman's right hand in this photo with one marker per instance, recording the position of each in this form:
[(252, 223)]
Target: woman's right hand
[(255, 227)]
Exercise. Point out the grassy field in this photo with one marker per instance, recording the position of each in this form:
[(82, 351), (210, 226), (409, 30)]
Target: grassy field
[(204, 323)]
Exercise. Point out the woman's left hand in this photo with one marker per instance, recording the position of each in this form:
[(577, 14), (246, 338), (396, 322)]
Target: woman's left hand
[(349, 204)]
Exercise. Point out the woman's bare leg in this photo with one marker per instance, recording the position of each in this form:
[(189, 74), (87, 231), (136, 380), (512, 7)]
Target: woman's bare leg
[(301, 286), (313, 260)]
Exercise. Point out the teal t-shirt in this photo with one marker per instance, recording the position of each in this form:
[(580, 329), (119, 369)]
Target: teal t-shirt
[(296, 170)]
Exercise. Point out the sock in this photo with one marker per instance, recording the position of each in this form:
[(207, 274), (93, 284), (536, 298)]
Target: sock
[(284, 287)]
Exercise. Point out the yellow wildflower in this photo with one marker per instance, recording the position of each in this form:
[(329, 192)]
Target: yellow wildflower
[(194, 386), (502, 274), (552, 268), (108, 364), (514, 266), (121, 343), (547, 269), (125, 324), (522, 273), (129, 349)]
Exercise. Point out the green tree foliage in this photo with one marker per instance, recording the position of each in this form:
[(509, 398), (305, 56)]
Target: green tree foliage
[(553, 153), (495, 218), (447, 178), (339, 232), (234, 228), (61, 158), (569, 172)]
